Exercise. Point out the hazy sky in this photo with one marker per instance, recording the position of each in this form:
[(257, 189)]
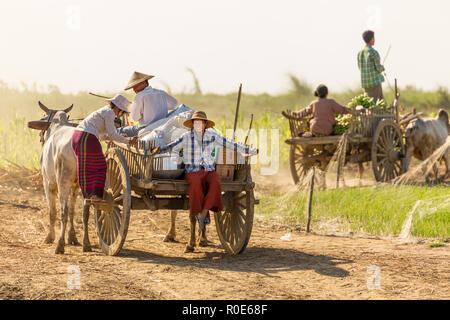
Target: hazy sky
[(96, 45)]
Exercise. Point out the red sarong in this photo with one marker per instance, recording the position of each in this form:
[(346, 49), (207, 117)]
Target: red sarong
[(91, 164), (204, 192)]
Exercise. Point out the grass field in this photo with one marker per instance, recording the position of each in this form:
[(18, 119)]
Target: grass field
[(373, 210)]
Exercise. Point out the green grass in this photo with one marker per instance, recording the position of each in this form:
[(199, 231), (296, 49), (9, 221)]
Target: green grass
[(19, 144), (436, 244), (379, 211)]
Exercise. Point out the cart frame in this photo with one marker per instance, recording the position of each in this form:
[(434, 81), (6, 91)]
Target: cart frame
[(130, 186)]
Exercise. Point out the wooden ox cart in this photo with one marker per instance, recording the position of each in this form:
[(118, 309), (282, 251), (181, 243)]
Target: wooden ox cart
[(132, 184), (373, 136)]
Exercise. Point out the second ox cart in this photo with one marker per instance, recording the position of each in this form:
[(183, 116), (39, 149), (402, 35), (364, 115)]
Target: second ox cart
[(374, 136)]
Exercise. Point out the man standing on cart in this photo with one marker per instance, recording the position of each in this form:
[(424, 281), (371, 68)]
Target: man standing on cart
[(371, 69), (198, 145), (149, 104)]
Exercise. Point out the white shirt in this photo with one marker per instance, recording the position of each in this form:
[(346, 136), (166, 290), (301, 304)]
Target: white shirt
[(150, 105), (101, 124)]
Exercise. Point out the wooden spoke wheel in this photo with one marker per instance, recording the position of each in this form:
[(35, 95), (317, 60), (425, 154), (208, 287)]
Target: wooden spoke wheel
[(112, 219), (299, 167), (234, 224), (388, 151)]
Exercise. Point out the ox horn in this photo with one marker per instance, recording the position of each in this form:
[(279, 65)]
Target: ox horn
[(68, 109), (46, 110)]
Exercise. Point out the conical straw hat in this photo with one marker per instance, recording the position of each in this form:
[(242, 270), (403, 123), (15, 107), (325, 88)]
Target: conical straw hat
[(137, 78)]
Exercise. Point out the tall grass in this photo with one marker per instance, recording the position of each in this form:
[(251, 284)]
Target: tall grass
[(19, 144)]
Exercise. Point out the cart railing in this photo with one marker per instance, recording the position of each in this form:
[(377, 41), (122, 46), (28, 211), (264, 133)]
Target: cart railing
[(365, 124), (298, 125), (142, 163), (361, 124)]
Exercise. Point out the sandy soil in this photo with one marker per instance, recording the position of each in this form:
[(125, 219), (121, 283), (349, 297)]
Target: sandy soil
[(307, 267)]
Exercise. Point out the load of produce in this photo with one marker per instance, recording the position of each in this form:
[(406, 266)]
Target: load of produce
[(363, 100), (367, 102), (342, 124)]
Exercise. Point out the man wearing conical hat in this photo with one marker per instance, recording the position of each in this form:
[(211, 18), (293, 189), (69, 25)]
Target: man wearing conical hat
[(149, 104), (198, 145)]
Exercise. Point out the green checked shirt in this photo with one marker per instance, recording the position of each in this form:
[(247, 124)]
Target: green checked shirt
[(370, 67)]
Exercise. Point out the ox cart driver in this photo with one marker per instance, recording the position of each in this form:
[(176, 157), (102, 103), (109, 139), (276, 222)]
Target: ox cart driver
[(91, 163)]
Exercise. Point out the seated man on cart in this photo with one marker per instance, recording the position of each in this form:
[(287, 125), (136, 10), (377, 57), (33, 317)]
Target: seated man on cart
[(323, 111), (198, 145)]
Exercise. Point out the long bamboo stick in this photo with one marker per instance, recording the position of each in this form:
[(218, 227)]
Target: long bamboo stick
[(311, 190), (236, 115)]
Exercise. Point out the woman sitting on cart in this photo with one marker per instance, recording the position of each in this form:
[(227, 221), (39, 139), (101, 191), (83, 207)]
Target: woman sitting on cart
[(91, 164), (323, 111), (198, 145)]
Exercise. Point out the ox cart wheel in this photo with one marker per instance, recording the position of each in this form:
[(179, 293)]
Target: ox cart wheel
[(303, 158), (112, 219), (388, 151), (234, 224), (299, 167)]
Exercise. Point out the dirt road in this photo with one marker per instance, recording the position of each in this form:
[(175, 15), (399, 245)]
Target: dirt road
[(307, 267)]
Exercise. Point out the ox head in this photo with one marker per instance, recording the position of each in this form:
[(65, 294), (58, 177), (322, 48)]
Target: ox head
[(49, 118)]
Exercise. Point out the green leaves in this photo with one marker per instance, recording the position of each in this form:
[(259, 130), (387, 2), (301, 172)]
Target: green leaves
[(340, 128), (367, 102)]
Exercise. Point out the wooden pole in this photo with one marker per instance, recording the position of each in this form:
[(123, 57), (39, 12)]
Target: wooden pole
[(249, 129), (396, 101), (247, 168), (311, 190), (342, 150), (339, 168), (338, 173), (236, 115), (100, 96)]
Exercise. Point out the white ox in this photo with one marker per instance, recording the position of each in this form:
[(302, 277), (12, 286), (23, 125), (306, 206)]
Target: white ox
[(59, 171), (424, 136)]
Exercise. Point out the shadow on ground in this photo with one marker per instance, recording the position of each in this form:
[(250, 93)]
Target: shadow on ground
[(255, 259)]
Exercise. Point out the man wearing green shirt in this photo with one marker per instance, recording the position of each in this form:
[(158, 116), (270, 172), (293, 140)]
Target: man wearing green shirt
[(371, 68)]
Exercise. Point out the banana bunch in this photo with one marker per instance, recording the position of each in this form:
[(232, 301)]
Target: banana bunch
[(342, 124)]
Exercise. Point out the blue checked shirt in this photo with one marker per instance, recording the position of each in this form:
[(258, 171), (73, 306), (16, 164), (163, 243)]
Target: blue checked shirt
[(197, 154)]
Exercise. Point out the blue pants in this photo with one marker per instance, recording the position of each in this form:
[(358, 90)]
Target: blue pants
[(130, 131)]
